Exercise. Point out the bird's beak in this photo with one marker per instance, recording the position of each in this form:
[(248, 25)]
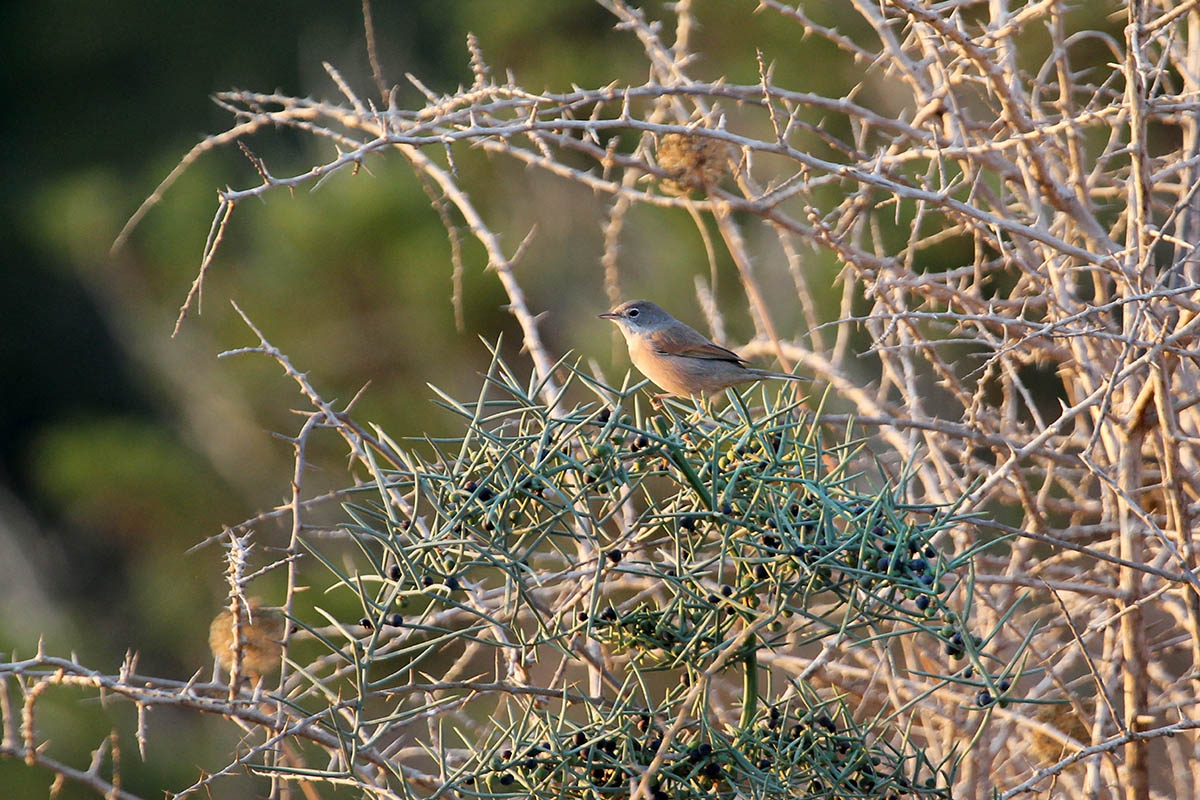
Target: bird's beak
[(608, 315)]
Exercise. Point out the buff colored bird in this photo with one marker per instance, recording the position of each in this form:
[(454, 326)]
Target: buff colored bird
[(677, 357), (261, 632)]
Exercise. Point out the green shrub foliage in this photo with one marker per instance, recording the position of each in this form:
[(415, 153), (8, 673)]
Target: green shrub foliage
[(576, 602)]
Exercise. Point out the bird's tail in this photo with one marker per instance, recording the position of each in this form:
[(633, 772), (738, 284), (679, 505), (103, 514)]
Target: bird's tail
[(784, 376)]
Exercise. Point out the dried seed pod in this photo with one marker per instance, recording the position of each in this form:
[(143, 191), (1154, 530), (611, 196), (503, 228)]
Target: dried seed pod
[(261, 632), (693, 162)]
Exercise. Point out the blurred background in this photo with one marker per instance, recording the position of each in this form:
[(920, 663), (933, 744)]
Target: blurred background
[(120, 447)]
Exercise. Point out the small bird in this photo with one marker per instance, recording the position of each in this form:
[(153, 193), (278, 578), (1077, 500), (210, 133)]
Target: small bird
[(677, 357), (262, 639)]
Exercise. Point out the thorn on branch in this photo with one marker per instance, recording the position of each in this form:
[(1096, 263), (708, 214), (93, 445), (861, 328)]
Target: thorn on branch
[(259, 165), (478, 66)]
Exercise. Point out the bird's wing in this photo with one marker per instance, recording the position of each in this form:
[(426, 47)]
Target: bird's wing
[(689, 343)]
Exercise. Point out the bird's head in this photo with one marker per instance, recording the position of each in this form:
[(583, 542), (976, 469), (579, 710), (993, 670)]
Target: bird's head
[(638, 317)]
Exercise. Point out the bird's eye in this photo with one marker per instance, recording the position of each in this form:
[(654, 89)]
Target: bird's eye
[(633, 312)]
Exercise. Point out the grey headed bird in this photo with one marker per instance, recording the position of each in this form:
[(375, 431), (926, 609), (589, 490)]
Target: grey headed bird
[(677, 357)]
